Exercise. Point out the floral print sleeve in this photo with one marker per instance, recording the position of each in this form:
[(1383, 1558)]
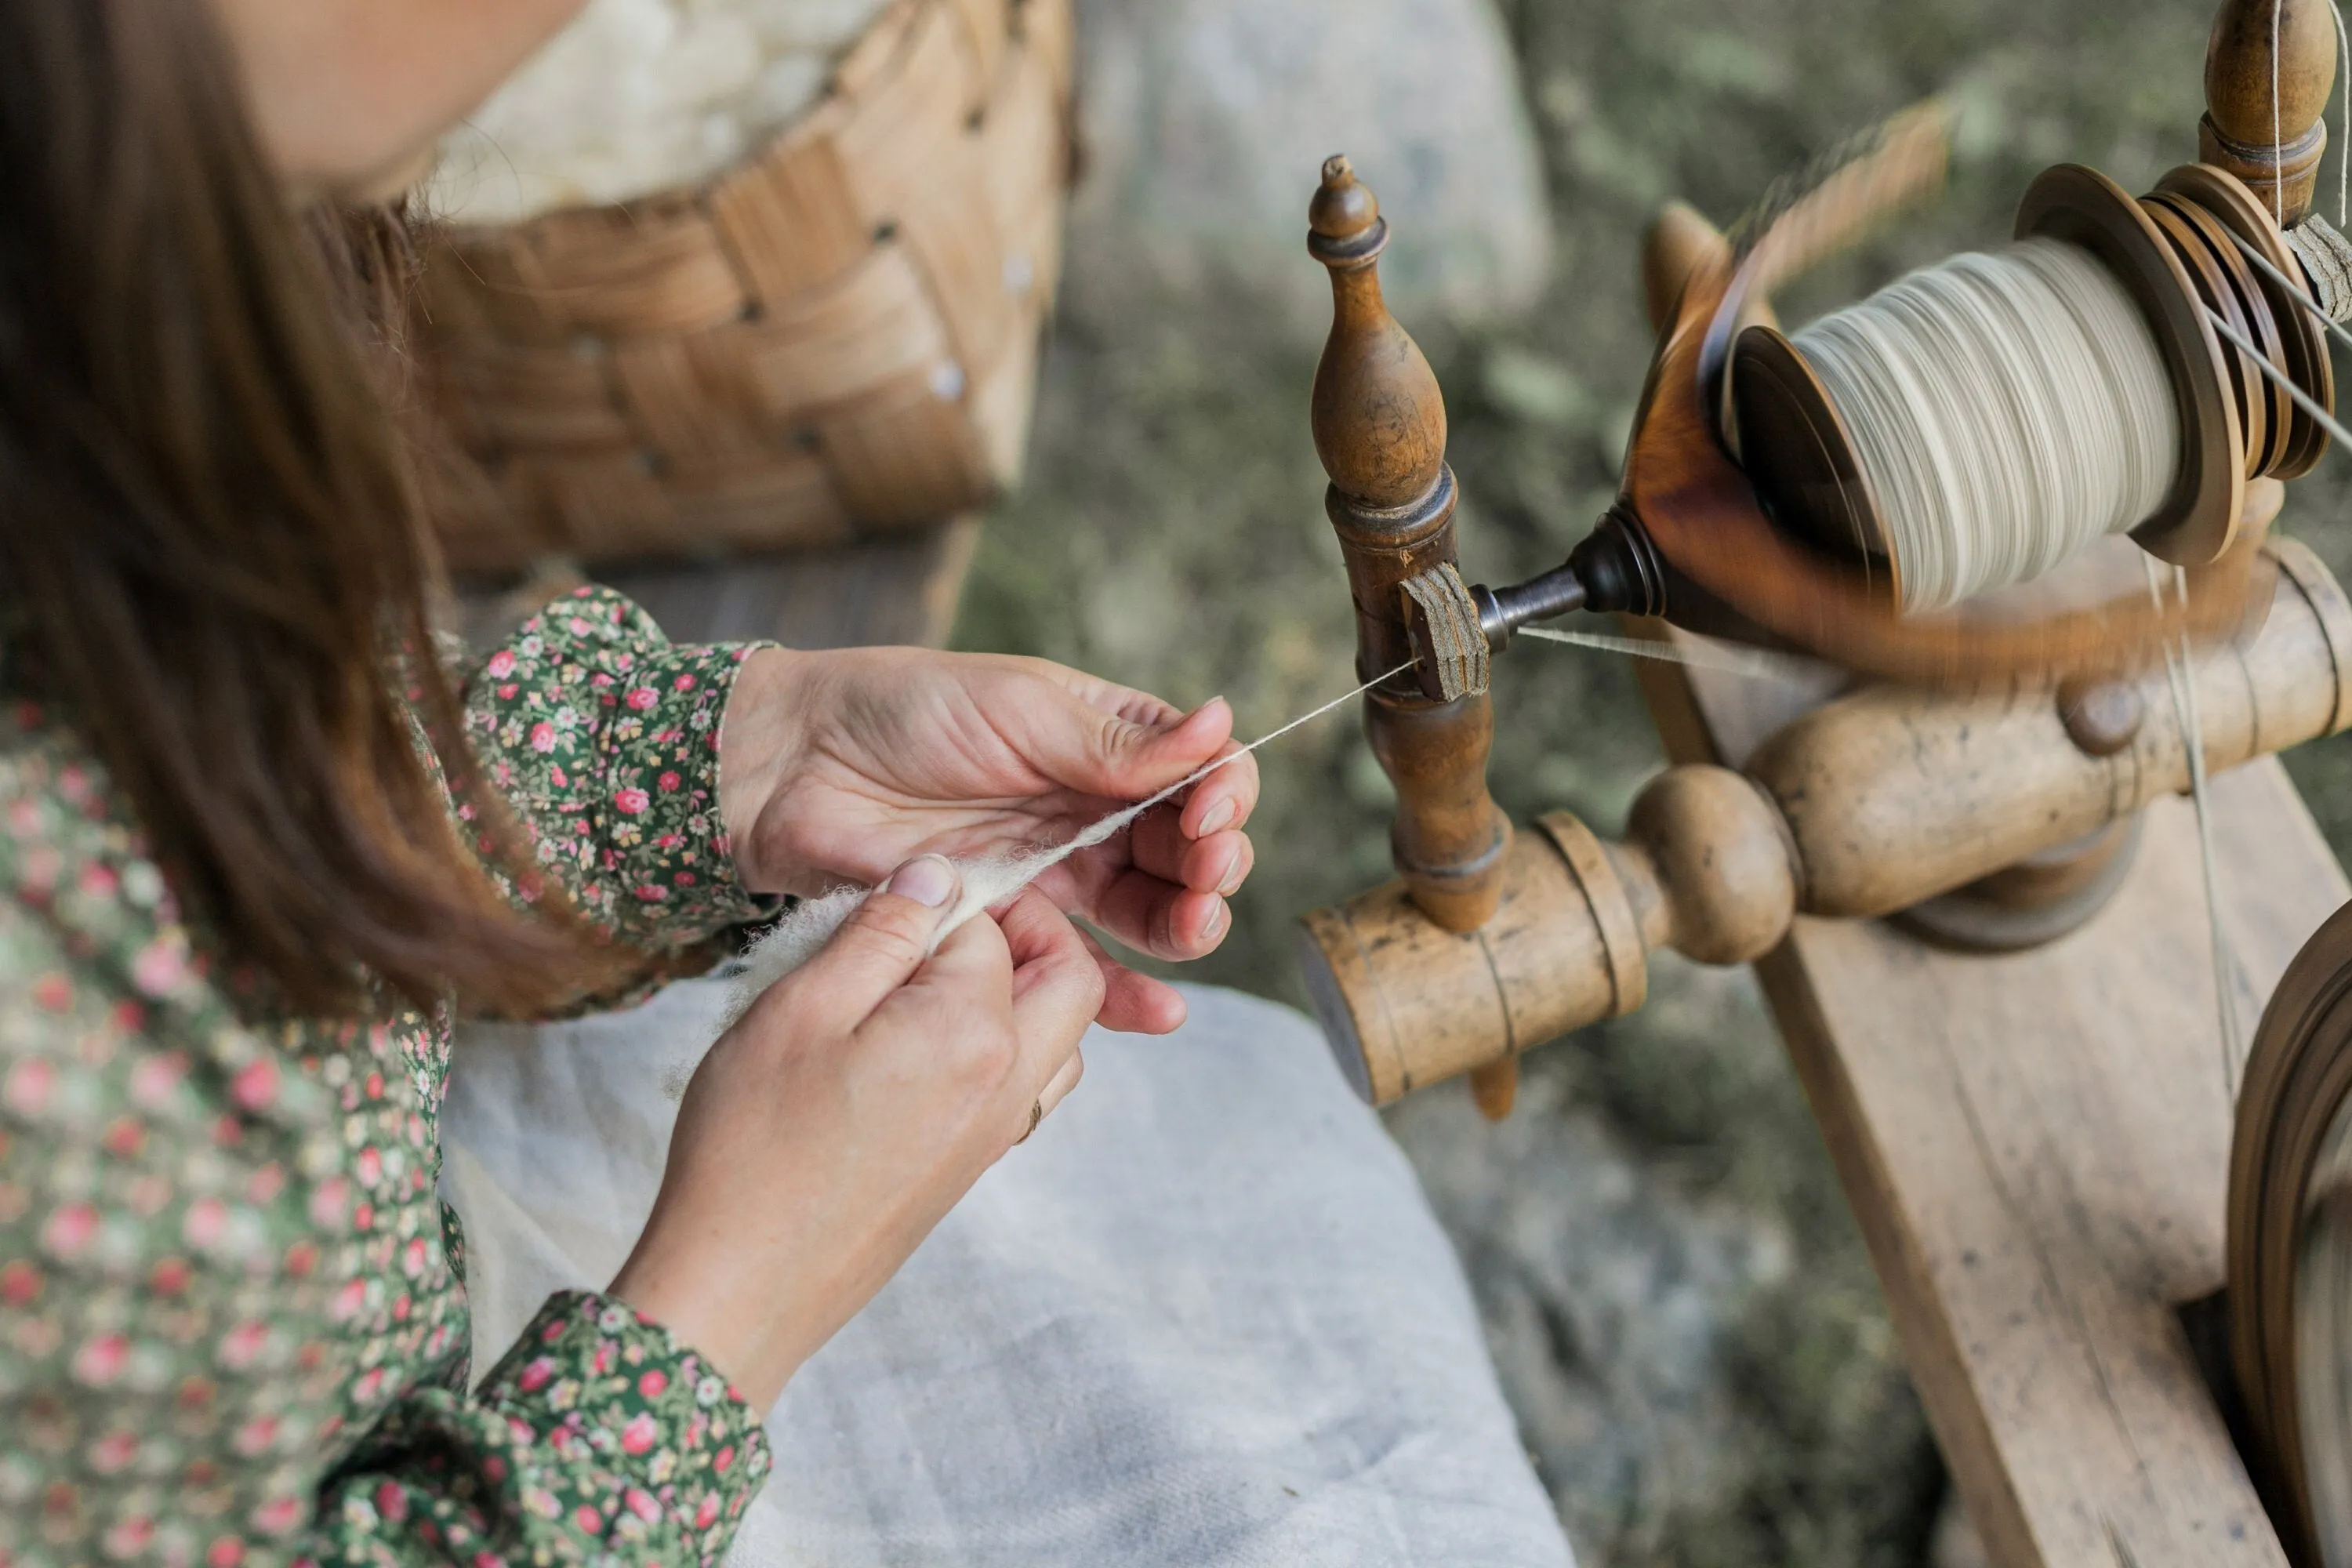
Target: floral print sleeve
[(597, 1437), (604, 735), (233, 1330)]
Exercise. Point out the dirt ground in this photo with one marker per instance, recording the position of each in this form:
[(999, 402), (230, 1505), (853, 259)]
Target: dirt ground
[(1676, 1296)]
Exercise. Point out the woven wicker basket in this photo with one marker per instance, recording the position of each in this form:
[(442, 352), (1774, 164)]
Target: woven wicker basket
[(838, 337)]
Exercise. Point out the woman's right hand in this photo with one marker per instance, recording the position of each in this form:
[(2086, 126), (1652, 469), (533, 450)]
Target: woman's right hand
[(829, 1131)]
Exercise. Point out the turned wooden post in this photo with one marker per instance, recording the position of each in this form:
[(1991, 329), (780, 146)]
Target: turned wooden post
[(2272, 143), (1380, 430)]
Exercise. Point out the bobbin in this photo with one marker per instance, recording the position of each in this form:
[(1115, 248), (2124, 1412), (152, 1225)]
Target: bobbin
[(1801, 454), (1689, 537), (2231, 203)]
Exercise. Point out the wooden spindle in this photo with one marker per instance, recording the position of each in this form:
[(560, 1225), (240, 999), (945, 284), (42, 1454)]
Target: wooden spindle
[(2272, 142), (1380, 430)]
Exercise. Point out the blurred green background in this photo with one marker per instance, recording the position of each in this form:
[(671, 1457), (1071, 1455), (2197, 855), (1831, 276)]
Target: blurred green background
[(1675, 1294)]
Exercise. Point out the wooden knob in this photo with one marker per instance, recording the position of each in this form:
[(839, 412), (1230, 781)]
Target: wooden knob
[(1679, 241), (1344, 207), (1378, 418), (1723, 865), (1406, 1003), (2270, 140), (2101, 717)]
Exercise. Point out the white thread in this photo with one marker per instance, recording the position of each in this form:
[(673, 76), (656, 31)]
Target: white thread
[(2007, 408), (987, 879), (2180, 675), (1710, 655), (2285, 383), (2278, 143), (2294, 291), (2344, 87)]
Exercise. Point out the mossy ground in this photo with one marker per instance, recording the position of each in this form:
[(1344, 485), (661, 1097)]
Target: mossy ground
[(1678, 1299)]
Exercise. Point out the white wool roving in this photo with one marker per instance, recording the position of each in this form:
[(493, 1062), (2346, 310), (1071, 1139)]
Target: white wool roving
[(640, 96), (987, 879)]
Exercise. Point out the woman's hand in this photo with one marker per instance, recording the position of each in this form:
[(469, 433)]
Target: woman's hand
[(828, 1132), (838, 766)]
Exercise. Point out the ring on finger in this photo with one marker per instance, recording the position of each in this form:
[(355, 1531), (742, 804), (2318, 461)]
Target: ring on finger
[(1036, 1114)]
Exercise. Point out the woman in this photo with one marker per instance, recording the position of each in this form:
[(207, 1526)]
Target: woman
[(240, 901)]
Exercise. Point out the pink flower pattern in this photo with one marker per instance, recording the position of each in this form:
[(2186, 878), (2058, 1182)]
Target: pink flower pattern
[(233, 1323)]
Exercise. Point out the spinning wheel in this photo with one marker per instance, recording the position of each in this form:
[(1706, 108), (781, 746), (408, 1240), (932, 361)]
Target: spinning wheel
[(2040, 1146), (2291, 1245)]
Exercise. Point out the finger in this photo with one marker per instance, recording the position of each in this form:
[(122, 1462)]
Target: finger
[(1214, 864), (1064, 1082), (1156, 917), (1058, 988), (1085, 748), (1223, 800), (879, 948), (1045, 945), (1134, 1004)]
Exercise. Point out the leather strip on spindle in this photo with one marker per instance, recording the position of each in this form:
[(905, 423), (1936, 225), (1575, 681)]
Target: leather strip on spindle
[(2327, 257), (1457, 642), (1612, 911)]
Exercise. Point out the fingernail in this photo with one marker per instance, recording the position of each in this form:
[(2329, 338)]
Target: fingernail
[(1230, 882), (1219, 918), (928, 879), (1217, 818)]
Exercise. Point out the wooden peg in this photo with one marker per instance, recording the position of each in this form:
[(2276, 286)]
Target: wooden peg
[(2272, 141), (1678, 243), (1380, 430)]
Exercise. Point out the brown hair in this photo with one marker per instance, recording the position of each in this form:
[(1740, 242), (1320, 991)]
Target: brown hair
[(209, 538)]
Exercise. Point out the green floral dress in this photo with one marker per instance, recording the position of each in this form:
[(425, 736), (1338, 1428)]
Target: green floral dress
[(233, 1325)]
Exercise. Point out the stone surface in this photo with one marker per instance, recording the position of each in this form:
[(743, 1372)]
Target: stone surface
[(1205, 120)]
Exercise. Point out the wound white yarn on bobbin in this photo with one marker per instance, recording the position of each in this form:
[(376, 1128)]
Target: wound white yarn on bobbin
[(2007, 408)]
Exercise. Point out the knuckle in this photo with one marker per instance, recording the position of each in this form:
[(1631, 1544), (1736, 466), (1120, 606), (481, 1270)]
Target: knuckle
[(894, 929), (982, 1055), (1115, 735), (1088, 985)]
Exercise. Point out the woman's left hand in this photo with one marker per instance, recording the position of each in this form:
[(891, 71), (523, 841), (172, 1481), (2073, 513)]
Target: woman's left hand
[(840, 766)]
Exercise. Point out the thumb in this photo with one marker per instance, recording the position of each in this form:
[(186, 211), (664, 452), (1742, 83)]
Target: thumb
[(882, 943), (1107, 754)]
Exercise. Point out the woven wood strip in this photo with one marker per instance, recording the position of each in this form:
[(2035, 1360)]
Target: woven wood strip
[(839, 336), (899, 454), (633, 272), (792, 219), (780, 503), (1001, 401), (832, 345), (875, 54), (984, 31), (522, 399)]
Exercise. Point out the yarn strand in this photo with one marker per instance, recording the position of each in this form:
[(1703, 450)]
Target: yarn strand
[(2344, 90), (2303, 399), (2295, 292), (2180, 675), (1751, 662)]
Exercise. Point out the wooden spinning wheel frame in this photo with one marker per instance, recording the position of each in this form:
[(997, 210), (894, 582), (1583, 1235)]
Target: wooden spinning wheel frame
[(2038, 1144)]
